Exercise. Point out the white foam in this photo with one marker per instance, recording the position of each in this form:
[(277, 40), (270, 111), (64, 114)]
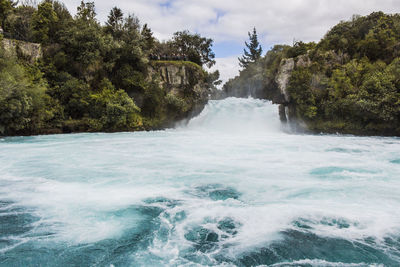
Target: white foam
[(238, 116), (77, 183), (324, 263)]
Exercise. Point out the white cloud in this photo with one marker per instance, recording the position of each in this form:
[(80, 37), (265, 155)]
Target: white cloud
[(227, 66), (222, 20), (277, 21)]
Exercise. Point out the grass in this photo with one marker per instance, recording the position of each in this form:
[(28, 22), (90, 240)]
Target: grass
[(178, 63)]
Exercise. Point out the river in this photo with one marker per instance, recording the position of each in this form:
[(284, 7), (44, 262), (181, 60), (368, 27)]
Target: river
[(230, 188)]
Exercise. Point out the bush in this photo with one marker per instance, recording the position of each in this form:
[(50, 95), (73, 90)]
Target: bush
[(21, 98), (114, 109)]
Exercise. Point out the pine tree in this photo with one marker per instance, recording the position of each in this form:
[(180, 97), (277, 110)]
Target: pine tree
[(86, 12), (147, 37), (115, 20), (42, 21), (254, 50), (6, 6)]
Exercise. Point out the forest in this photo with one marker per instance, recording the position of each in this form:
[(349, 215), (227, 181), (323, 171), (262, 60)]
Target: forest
[(89, 74), (348, 82)]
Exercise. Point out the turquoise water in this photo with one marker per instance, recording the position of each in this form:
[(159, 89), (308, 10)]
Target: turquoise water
[(229, 189)]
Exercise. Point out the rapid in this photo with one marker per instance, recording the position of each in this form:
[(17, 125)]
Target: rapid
[(229, 188)]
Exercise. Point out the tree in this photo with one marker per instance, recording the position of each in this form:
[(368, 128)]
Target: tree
[(132, 24), (42, 21), (64, 21), (213, 79), (131, 29), (86, 12), (6, 6), (115, 21), (148, 39), (194, 47), (114, 109), (21, 97), (85, 46), (254, 50), (19, 23)]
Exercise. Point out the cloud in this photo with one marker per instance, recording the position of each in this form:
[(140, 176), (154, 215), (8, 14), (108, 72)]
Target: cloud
[(227, 66), (228, 21)]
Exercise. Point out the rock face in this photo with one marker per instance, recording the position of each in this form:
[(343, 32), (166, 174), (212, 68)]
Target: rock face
[(29, 51), (183, 82), (178, 76), (174, 75), (285, 71), (303, 61), (286, 109), (282, 113), (282, 79)]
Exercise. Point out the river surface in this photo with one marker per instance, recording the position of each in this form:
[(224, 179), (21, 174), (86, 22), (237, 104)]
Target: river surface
[(228, 189)]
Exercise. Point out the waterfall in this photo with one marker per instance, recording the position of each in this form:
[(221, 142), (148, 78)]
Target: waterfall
[(238, 115)]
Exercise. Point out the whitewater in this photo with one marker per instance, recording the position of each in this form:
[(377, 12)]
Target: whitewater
[(232, 187)]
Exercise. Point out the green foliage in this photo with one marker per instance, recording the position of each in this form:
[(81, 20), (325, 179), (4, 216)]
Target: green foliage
[(86, 12), (19, 23), (374, 36), (64, 21), (114, 23), (349, 82), (340, 84), (187, 64), (91, 77), (359, 95), (300, 48), (213, 79), (86, 47), (254, 50), (6, 7), (114, 109), (194, 47), (74, 96), (130, 79), (21, 98), (148, 41), (177, 104), (304, 98), (131, 29), (42, 21), (154, 105)]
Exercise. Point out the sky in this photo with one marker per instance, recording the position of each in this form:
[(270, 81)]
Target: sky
[(227, 22)]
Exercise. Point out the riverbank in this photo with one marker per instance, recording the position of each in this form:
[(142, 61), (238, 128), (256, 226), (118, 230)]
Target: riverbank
[(347, 83)]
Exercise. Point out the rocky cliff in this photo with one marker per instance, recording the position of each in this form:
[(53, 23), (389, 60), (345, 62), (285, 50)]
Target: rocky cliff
[(179, 76), (349, 82), (286, 109), (185, 86), (286, 68), (253, 82), (29, 51), (282, 79), (260, 80)]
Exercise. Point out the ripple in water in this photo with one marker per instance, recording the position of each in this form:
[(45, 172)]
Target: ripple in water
[(229, 189)]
